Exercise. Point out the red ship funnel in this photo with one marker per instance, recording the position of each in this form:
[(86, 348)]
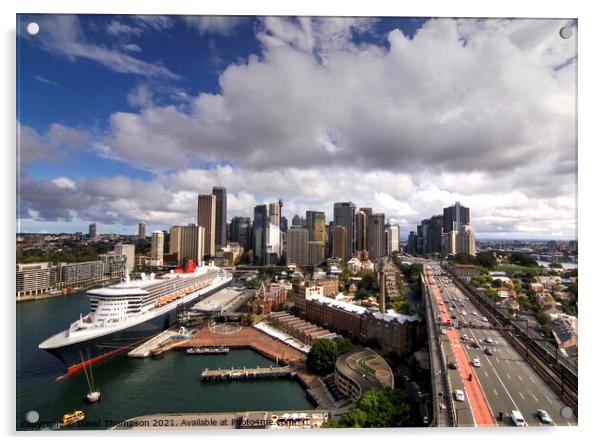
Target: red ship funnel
[(190, 266)]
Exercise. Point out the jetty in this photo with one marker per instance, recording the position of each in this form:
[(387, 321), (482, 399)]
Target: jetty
[(247, 373)]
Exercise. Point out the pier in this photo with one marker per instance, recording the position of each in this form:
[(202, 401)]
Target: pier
[(250, 373)]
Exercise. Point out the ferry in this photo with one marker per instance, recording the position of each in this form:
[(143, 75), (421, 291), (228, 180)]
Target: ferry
[(72, 418), (125, 314)]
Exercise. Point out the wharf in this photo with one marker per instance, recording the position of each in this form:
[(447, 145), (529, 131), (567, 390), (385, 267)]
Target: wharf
[(250, 373), (156, 343)]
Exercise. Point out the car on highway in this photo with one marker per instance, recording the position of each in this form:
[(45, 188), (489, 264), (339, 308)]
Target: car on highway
[(488, 340), (517, 418), (443, 331), (475, 344), (474, 313), (463, 312), (488, 351), (452, 365), (484, 319), (465, 337), (476, 363), (454, 316), (543, 416), (459, 395), (446, 301)]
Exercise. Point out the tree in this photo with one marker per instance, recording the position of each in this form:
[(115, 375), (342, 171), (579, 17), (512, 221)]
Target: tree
[(497, 283), (555, 265), (379, 408), (486, 259), (522, 259), (324, 353)]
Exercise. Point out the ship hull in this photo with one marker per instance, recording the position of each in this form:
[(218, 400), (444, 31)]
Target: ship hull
[(76, 356)]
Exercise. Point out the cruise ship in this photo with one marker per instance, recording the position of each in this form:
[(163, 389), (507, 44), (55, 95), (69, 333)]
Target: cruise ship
[(125, 314)]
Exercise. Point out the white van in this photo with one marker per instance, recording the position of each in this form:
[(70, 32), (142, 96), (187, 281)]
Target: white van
[(517, 418)]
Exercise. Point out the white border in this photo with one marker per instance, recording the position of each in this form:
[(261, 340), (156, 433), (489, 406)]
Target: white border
[(589, 200)]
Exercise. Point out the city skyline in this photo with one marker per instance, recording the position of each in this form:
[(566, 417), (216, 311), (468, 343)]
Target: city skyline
[(166, 132)]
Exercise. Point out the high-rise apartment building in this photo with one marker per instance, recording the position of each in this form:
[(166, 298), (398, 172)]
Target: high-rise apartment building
[(129, 250), (157, 248), (221, 214), (297, 243), (340, 242), (141, 230), (455, 216), (206, 213), (376, 235), (191, 245), (260, 220), (344, 215), (92, 231)]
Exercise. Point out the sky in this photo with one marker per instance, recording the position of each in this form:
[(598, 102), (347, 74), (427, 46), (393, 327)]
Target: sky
[(128, 118)]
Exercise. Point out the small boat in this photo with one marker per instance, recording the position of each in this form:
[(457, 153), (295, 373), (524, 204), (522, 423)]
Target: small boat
[(93, 396), (73, 418)]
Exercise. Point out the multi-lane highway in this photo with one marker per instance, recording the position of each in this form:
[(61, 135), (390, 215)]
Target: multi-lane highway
[(503, 381)]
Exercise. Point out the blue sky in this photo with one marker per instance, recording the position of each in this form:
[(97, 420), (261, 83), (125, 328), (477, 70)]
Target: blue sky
[(126, 118)]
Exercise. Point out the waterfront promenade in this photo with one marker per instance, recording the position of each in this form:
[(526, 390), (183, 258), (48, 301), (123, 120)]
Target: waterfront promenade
[(245, 337)]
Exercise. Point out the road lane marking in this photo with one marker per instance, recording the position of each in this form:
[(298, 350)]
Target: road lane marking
[(534, 397), (532, 379), (504, 386), (519, 377), (508, 375), (486, 375), (550, 401), (521, 394), (495, 391)]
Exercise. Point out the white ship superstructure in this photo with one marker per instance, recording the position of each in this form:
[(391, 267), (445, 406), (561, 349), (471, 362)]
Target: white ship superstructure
[(137, 308)]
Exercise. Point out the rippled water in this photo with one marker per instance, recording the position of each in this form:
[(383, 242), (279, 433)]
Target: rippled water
[(133, 387)]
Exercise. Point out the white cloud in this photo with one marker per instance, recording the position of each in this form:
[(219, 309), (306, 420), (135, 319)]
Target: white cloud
[(470, 111), (62, 35), (208, 24)]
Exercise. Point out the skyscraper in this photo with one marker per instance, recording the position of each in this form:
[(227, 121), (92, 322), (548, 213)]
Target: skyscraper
[(241, 231), (434, 232), (344, 215), (315, 252), (283, 224), (340, 242), (141, 230), (192, 238), (206, 213), (175, 234), (297, 243), (272, 243), (449, 243), (376, 235), (466, 242), (274, 215), (157, 248), (260, 218), (316, 224), (92, 231), (455, 216), (360, 231), (221, 214), (392, 235)]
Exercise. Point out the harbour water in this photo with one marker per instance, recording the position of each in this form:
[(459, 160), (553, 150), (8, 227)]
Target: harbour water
[(133, 387), (565, 266)]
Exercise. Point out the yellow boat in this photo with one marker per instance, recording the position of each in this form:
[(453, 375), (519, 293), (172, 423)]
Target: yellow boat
[(73, 418)]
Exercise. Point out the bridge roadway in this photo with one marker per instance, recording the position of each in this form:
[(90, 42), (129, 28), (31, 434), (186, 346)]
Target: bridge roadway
[(504, 380)]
